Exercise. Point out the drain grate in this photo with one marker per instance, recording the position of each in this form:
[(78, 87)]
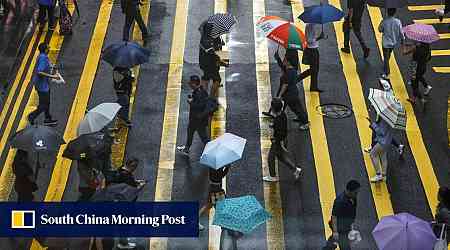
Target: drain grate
[(334, 110)]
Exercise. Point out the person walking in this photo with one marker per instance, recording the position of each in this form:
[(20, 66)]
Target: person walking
[(277, 149), (378, 153), (25, 183), (229, 238), (443, 212), (40, 79), (132, 13), (123, 82), (353, 21), (47, 7), (198, 121), (311, 56), (442, 12), (391, 28), (88, 179), (421, 55)]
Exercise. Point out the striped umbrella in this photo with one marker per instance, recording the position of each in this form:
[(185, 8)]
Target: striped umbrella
[(222, 24), (388, 107), (283, 32), (421, 32)]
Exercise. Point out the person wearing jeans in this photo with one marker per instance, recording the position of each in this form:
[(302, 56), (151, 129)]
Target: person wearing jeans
[(378, 153), (391, 28), (47, 7)]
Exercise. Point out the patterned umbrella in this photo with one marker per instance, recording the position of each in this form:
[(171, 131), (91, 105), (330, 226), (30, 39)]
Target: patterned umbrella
[(283, 32), (388, 107), (421, 32), (222, 24), (37, 138), (241, 214)]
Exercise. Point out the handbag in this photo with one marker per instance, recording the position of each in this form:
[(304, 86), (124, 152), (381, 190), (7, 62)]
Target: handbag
[(441, 243)]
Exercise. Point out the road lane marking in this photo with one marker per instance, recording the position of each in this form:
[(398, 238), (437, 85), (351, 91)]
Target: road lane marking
[(444, 36), (118, 150), (431, 21), (164, 178), (379, 192), (413, 133), (425, 7), (218, 127), (441, 69), (322, 162), (272, 198), (440, 52)]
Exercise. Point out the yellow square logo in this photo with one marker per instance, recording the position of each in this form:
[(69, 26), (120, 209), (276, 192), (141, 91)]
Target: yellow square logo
[(22, 219)]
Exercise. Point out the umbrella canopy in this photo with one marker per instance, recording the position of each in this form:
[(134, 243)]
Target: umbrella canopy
[(388, 3), (117, 192), (241, 214), (388, 107), (321, 14), (85, 146), (283, 32), (125, 54), (37, 138), (223, 150), (221, 24), (97, 118), (403, 231), (421, 32)]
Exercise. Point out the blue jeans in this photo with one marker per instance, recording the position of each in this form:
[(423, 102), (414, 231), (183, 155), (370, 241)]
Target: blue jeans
[(124, 101)]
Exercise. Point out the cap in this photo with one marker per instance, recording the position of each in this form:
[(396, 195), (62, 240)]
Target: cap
[(352, 185), (194, 78)]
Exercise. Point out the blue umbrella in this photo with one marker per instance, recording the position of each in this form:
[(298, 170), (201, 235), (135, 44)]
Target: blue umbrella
[(125, 54), (321, 14), (241, 214)]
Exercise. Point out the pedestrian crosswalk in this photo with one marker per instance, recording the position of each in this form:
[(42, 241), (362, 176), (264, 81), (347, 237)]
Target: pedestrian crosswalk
[(329, 162)]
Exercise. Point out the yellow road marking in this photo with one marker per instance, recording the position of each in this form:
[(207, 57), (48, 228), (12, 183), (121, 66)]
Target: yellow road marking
[(164, 179), (218, 126), (418, 149), (444, 36), (440, 52), (272, 200), (441, 69), (118, 150), (379, 192), (424, 7), (322, 161), (431, 21)]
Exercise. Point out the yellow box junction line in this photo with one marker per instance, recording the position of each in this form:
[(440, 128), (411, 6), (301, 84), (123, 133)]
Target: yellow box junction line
[(418, 149), (424, 7), (379, 192), (322, 161), (441, 69), (272, 199), (440, 52), (218, 127), (7, 177), (444, 36), (118, 150), (164, 178)]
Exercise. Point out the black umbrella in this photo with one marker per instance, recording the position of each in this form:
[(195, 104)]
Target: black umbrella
[(117, 192), (37, 138), (125, 54), (388, 3), (86, 146)]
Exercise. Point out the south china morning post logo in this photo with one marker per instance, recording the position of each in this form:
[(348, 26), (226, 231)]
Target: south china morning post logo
[(23, 219)]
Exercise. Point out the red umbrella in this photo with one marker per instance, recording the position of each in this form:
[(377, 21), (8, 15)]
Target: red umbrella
[(283, 32)]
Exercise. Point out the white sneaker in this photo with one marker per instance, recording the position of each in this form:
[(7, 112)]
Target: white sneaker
[(129, 245), (297, 173), (200, 227), (304, 126), (409, 82), (377, 178), (427, 90), (270, 178), (384, 76), (400, 149), (183, 150)]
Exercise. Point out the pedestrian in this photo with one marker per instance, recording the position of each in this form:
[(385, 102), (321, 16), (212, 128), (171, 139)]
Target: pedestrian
[(123, 82), (421, 55), (215, 193), (25, 183), (47, 7), (443, 212), (229, 238), (198, 120), (442, 12), (41, 76), (378, 153), (343, 216), (391, 28), (132, 13), (311, 56), (277, 148), (353, 21), (88, 179)]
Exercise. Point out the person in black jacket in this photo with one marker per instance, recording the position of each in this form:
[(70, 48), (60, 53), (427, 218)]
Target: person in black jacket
[(123, 80), (25, 183), (421, 54), (132, 13), (277, 149), (198, 120)]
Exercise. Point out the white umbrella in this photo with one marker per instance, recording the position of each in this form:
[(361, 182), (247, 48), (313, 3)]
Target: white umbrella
[(388, 107), (223, 150), (97, 118)]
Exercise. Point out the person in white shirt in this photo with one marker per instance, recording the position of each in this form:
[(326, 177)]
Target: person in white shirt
[(311, 56)]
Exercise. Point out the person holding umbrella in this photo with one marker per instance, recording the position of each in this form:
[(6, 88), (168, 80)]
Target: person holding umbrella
[(88, 179), (132, 13), (25, 183), (311, 56), (123, 80), (353, 21), (442, 217), (378, 153)]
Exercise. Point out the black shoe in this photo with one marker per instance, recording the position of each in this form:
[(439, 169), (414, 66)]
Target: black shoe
[(366, 52), (316, 90), (145, 40), (30, 121), (50, 122), (266, 113), (345, 50)]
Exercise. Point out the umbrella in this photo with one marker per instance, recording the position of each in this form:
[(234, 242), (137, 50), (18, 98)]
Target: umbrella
[(97, 118), (37, 138), (421, 32), (117, 192), (125, 54), (221, 24), (403, 232), (285, 33), (388, 3), (321, 14), (241, 214), (85, 146), (388, 107), (223, 150)]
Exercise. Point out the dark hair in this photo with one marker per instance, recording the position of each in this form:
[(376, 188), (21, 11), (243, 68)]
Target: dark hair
[(444, 193), (42, 47), (391, 11), (352, 185), (276, 104), (132, 160)]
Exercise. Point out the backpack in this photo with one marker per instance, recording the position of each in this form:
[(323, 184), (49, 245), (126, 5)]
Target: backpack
[(65, 20)]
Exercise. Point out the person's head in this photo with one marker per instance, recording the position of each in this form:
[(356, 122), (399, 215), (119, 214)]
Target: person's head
[(444, 196), (43, 48), (194, 81), (291, 58), (276, 105), (391, 11), (352, 188), (131, 164)]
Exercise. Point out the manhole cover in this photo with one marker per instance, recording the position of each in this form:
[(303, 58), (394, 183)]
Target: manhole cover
[(334, 110)]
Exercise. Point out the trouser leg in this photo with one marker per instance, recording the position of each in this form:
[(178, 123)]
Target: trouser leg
[(51, 15), (315, 69), (395, 143), (415, 87), (375, 156), (386, 57), (44, 100), (129, 19), (190, 134), (346, 30), (124, 101), (283, 156), (271, 159), (296, 106), (422, 80), (357, 31), (140, 22), (373, 140), (383, 161), (203, 134), (41, 15), (344, 243)]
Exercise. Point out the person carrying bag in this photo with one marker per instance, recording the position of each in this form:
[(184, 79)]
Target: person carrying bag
[(441, 243)]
